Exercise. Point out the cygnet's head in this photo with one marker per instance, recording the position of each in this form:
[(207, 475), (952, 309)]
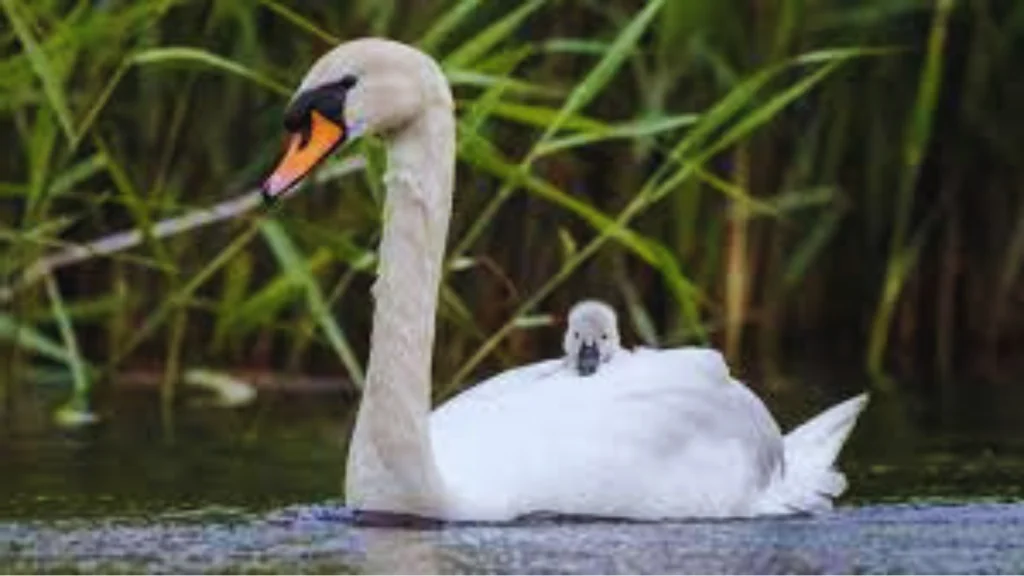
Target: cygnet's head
[(591, 337)]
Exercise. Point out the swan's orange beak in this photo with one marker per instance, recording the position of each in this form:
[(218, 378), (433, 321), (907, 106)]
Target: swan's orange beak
[(304, 152)]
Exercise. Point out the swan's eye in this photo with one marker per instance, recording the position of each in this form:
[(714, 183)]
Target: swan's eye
[(576, 335), (604, 336), (348, 81)]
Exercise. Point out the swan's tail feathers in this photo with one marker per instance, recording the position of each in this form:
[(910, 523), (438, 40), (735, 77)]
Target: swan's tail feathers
[(810, 480)]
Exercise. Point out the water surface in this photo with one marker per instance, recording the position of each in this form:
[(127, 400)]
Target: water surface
[(972, 538), (257, 490)]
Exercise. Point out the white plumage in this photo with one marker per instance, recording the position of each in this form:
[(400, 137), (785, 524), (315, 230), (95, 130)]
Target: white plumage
[(652, 434)]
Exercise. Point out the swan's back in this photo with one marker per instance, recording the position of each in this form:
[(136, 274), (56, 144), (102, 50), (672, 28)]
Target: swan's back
[(652, 434)]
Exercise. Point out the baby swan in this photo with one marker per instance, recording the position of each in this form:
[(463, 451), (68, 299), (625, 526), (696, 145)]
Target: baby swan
[(591, 337)]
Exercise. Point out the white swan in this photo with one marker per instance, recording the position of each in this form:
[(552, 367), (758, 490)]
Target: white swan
[(659, 434)]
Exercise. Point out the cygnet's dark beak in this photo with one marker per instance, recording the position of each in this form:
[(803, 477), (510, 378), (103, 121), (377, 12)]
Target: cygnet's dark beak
[(589, 358)]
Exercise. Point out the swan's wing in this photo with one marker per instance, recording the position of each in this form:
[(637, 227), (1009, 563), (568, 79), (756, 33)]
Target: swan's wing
[(700, 366), (653, 433), (502, 383), (687, 399)]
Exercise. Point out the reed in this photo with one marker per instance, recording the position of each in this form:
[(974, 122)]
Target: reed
[(787, 180)]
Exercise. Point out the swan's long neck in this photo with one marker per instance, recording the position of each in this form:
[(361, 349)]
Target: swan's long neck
[(391, 461)]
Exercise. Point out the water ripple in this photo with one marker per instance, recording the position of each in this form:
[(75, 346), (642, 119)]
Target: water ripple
[(965, 538)]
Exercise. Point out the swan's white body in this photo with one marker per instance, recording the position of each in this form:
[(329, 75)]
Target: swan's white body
[(653, 434)]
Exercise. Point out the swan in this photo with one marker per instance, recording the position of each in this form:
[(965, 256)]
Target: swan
[(660, 434), (591, 336)]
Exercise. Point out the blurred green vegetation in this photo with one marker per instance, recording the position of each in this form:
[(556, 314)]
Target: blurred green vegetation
[(821, 181)]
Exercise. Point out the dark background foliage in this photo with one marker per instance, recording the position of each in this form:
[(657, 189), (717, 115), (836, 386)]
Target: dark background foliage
[(815, 183)]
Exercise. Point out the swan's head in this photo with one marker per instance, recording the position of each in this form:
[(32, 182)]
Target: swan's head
[(592, 336), (366, 86)]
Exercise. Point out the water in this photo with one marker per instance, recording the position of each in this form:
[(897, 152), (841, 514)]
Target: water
[(933, 490), (974, 538)]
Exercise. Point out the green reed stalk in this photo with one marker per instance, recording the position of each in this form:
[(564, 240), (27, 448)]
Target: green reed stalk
[(903, 255)]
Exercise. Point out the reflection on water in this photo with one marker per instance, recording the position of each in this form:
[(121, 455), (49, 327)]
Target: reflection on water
[(256, 491), (292, 451), (279, 452), (401, 552)]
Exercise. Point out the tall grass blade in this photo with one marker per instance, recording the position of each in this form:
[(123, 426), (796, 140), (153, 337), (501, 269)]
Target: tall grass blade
[(42, 66), (450, 21), (580, 96), (41, 148), (737, 260), (596, 80), (294, 265), (204, 59), (475, 48), (812, 247), (300, 21), (178, 55), (266, 303), (28, 338), (484, 155), (918, 134), (182, 295), (1013, 262), (663, 182), (516, 86), (544, 116), (634, 130), (76, 411), (76, 175), (237, 280)]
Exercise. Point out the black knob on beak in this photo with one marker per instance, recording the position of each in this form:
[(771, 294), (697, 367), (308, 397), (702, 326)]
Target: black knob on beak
[(589, 358), (268, 198)]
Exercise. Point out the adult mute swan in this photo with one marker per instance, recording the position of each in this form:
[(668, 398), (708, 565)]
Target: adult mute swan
[(659, 434)]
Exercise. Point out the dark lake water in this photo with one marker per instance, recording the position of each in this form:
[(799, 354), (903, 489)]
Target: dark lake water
[(935, 487)]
